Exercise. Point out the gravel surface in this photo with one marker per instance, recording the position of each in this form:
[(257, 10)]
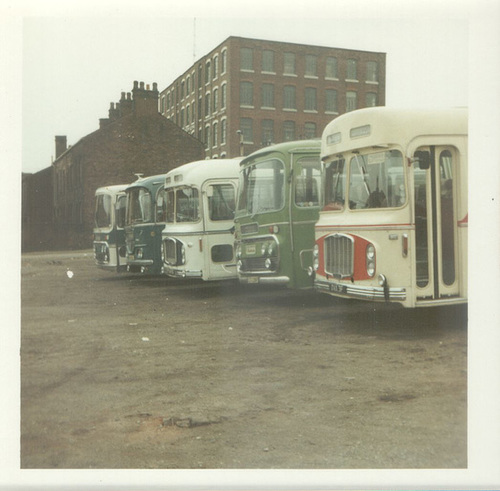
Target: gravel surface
[(139, 372)]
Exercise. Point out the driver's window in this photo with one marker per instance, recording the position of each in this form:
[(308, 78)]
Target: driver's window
[(221, 202), (121, 210), (161, 207), (307, 182), (334, 185)]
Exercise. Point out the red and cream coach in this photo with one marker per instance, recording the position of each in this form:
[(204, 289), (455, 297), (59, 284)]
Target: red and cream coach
[(393, 225)]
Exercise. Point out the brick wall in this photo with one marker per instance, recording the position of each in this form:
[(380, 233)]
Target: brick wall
[(112, 155), (36, 214), (176, 99)]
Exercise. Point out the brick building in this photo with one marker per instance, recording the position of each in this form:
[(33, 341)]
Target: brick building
[(248, 93), (37, 220), (134, 138)]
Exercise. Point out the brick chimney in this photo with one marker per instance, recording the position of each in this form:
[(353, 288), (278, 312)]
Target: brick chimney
[(103, 122), (145, 101), (114, 111), (126, 104), (61, 145)]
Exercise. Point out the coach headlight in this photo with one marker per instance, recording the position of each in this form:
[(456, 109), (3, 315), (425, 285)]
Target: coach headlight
[(370, 260), (316, 257), (163, 247), (183, 254)]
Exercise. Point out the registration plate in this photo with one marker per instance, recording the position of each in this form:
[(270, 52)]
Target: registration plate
[(250, 249), (337, 288), (253, 279)]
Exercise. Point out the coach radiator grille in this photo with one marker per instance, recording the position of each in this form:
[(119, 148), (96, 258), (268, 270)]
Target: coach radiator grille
[(130, 240), (170, 251), (258, 265), (339, 255)]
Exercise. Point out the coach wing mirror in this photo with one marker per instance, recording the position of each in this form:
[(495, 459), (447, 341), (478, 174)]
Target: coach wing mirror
[(423, 159)]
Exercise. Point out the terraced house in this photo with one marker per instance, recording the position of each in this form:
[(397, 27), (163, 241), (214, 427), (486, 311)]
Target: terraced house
[(58, 202)]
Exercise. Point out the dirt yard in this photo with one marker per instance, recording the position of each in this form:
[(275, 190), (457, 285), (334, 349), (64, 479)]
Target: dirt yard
[(127, 371)]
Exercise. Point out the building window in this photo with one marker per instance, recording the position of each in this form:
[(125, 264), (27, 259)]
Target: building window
[(214, 134), (207, 104), (207, 72), (187, 114), (310, 130), (215, 68), (223, 130), (215, 100), (331, 68), (267, 92), (223, 61), (200, 105), (200, 75), (289, 64), (311, 99), (246, 94), (372, 71), (267, 132), (289, 131), (183, 85), (223, 96), (162, 105), (182, 117), (246, 127), (268, 61), (351, 100), (207, 137), (188, 80), (371, 99), (331, 101), (246, 59), (289, 97), (352, 70), (311, 66)]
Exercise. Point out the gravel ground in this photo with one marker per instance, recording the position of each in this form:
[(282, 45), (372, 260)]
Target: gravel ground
[(137, 372)]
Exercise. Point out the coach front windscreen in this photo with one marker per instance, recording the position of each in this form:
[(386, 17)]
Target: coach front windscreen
[(262, 187), (140, 206)]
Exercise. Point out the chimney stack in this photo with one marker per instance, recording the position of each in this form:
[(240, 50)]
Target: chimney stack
[(103, 122), (141, 101), (145, 101), (61, 145), (126, 104), (114, 111)]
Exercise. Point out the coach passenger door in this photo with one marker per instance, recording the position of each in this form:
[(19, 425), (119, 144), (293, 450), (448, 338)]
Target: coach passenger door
[(435, 218), (219, 203)]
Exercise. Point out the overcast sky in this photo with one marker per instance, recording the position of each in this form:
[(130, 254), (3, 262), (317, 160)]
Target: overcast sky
[(74, 67)]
